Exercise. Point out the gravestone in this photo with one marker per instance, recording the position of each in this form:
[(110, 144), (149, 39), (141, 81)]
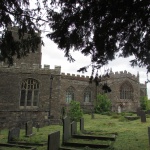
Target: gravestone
[(66, 129), (119, 109), (29, 128), (138, 111), (92, 115), (143, 116), (148, 112), (54, 141), (82, 124), (38, 126), (13, 134), (149, 135), (73, 128)]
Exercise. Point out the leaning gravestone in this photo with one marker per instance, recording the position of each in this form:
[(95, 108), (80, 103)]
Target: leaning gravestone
[(66, 129), (143, 116), (54, 141), (13, 134), (82, 124), (73, 128), (29, 128)]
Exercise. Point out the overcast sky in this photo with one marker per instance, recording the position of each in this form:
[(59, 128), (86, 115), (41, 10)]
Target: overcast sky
[(52, 56)]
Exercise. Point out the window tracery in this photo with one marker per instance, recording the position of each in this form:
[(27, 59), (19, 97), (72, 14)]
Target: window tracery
[(29, 93)]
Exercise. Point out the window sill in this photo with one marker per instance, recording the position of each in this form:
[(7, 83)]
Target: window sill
[(28, 107)]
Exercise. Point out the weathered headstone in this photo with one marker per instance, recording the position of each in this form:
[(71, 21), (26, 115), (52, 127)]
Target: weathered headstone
[(73, 128), (148, 112), (82, 124), (143, 116), (13, 134), (138, 111), (38, 126), (66, 129), (29, 128), (54, 141), (119, 109), (149, 135), (92, 115)]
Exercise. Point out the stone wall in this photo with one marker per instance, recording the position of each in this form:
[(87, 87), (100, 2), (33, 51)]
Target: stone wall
[(10, 92), (31, 58), (79, 83), (12, 114), (115, 82)]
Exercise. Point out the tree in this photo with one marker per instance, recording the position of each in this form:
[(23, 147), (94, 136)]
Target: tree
[(18, 13), (101, 28), (144, 103), (103, 104), (75, 112)]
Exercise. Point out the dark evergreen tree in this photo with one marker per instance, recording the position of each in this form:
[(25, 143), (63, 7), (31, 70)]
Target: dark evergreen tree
[(101, 28), (18, 13)]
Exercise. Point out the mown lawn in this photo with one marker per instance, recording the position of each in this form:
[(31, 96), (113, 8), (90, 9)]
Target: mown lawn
[(131, 135)]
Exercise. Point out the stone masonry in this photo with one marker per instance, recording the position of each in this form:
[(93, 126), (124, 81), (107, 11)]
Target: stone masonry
[(50, 95)]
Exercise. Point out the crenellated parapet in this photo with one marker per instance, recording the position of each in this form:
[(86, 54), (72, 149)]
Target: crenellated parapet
[(123, 74), (26, 68), (74, 77)]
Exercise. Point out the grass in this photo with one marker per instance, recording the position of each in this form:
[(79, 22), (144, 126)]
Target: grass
[(131, 135)]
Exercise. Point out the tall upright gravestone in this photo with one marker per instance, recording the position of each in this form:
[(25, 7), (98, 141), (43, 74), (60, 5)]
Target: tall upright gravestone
[(66, 129), (138, 111), (73, 128), (143, 116), (82, 124), (29, 127)]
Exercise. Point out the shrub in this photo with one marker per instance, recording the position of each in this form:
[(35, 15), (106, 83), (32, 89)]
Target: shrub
[(144, 103), (75, 112), (103, 104)]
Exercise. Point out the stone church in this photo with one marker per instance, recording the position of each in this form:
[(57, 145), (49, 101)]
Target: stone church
[(30, 92)]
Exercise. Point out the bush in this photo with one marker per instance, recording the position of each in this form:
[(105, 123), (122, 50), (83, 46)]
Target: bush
[(75, 112), (144, 103), (103, 104)]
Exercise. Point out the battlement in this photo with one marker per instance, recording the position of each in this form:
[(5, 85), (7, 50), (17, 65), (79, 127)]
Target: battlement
[(123, 74), (24, 67), (15, 29), (74, 77)]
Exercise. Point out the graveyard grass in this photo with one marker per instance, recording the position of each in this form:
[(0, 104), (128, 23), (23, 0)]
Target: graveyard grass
[(131, 135)]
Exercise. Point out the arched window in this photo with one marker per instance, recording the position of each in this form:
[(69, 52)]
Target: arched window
[(29, 93), (87, 95), (69, 94), (126, 91)]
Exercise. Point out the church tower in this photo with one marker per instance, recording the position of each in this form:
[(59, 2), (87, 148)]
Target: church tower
[(32, 57)]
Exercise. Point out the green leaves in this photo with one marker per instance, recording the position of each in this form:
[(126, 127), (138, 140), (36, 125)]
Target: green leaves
[(103, 104), (75, 112), (101, 28)]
